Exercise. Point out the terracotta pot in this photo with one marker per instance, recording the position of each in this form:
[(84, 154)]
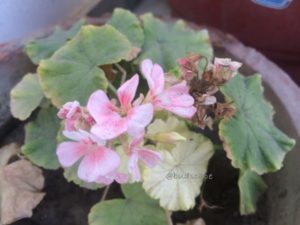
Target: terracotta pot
[(276, 33)]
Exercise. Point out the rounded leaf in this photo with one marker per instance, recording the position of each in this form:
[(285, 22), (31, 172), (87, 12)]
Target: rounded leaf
[(137, 208), (129, 25), (250, 137), (44, 48), (40, 139), (166, 42), (73, 72), (25, 96), (177, 179)]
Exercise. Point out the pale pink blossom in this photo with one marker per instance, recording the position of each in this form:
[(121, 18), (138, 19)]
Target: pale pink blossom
[(75, 116), (137, 152), (175, 99), (96, 160), (111, 121), (70, 112), (221, 63)]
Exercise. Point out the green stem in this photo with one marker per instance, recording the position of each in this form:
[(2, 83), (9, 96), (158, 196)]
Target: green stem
[(112, 88), (104, 194), (124, 74)]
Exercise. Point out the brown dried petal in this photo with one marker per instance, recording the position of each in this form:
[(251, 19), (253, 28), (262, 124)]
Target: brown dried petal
[(20, 185), (224, 110)]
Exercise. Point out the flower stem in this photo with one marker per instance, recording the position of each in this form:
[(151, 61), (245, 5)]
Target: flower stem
[(123, 71), (168, 216), (104, 194), (112, 88)]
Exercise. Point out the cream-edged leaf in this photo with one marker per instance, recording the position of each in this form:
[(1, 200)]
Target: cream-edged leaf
[(251, 139), (129, 25), (45, 47), (26, 96), (177, 179)]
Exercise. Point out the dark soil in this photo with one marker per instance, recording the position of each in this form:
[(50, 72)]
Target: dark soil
[(64, 203)]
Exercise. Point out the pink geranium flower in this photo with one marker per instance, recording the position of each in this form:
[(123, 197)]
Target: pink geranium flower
[(70, 112), (225, 68), (75, 116), (175, 99), (111, 121), (97, 160), (227, 62), (136, 152)]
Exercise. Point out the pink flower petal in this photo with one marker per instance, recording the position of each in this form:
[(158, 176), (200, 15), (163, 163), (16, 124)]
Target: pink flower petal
[(154, 75), (149, 157), (70, 124), (179, 89), (69, 152), (176, 95), (173, 97), (185, 112), (100, 108), (111, 128), (121, 178), (158, 78), (68, 110), (127, 91), (105, 180), (182, 100), (146, 68), (74, 108), (138, 118), (137, 140), (176, 99), (76, 135), (82, 135), (100, 161), (133, 167)]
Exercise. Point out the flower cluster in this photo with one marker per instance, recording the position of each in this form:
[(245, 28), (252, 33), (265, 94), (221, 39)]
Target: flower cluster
[(95, 131)]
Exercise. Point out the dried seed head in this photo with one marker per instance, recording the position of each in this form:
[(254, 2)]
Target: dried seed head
[(204, 88)]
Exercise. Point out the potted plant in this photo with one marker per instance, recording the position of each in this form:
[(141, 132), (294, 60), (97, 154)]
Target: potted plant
[(145, 104)]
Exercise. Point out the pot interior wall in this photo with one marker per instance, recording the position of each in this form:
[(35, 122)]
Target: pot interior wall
[(282, 199)]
